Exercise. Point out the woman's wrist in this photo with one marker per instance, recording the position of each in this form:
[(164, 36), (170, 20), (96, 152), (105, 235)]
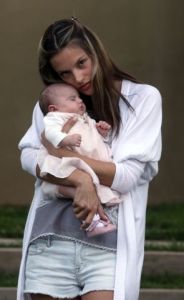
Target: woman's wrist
[(80, 178), (76, 179)]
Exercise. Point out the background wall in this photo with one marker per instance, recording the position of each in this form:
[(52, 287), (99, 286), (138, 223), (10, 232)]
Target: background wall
[(144, 37)]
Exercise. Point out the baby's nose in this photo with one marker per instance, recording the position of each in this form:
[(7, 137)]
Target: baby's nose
[(79, 100)]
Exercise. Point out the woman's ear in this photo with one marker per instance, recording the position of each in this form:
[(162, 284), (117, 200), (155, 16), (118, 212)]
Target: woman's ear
[(52, 107)]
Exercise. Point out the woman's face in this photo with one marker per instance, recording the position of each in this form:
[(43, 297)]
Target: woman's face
[(74, 67)]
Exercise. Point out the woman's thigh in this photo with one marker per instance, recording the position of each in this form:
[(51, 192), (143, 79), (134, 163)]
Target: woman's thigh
[(45, 297), (95, 295), (98, 295)]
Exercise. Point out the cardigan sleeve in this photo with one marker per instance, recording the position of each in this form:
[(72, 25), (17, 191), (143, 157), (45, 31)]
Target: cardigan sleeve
[(137, 150), (30, 143)]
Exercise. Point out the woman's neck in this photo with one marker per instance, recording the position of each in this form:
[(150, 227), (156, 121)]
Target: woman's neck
[(118, 84)]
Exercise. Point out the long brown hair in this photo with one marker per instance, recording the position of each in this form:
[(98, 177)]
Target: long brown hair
[(106, 96)]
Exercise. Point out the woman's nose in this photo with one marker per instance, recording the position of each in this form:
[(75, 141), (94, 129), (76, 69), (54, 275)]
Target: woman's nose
[(78, 76)]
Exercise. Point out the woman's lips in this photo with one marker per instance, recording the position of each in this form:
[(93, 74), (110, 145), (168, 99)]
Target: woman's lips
[(85, 87)]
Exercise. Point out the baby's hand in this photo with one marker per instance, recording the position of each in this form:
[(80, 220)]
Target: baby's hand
[(76, 140), (72, 140), (103, 128)]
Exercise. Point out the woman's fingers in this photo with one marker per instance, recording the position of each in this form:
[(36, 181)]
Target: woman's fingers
[(87, 221), (89, 217), (85, 203), (85, 214), (81, 212), (101, 213), (69, 124), (82, 215)]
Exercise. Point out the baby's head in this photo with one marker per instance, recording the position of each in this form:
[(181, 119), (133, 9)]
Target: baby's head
[(61, 97)]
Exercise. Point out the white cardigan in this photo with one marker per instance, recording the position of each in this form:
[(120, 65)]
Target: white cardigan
[(136, 152)]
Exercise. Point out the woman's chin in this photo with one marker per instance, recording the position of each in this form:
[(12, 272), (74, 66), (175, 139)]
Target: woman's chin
[(87, 91)]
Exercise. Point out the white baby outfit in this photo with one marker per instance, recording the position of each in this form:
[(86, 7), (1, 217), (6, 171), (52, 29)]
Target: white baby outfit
[(92, 145)]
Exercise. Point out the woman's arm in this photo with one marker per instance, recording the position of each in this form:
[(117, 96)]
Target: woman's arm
[(104, 170), (85, 203), (122, 177)]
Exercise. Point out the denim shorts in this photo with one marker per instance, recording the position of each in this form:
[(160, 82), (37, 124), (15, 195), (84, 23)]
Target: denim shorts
[(67, 269)]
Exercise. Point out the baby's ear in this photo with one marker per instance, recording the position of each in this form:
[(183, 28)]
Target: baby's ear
[(52, 107)]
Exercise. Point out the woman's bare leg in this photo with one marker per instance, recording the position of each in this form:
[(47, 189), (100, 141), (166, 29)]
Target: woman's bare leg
[(40, 297), (45, 297), (98, 295)]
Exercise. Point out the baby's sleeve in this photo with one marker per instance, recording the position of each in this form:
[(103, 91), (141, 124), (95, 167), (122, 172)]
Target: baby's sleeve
[(53, 129)]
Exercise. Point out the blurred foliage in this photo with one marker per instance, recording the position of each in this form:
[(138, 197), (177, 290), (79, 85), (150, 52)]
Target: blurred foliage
[(165, 222), (8, 279), (12, 221), (165, 281)]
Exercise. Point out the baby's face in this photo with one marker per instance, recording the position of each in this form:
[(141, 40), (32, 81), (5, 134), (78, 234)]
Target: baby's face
[(68, 100)]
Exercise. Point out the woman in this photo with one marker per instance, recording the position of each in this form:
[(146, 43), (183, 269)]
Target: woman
[(69, 52)]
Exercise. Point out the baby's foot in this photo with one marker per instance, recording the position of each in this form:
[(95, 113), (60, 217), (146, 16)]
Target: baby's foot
[(100, 227)]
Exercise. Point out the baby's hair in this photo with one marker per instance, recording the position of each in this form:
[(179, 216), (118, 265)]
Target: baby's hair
[(48, 95)]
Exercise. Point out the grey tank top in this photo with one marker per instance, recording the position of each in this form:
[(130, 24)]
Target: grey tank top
[(56, 218)]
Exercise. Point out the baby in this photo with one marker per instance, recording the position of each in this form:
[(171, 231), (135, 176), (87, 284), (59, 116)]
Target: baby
[(60, 102)]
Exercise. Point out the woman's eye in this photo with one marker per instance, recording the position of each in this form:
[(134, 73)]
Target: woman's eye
[(82, 61)]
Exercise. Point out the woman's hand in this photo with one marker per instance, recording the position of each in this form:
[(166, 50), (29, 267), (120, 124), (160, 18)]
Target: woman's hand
[(69, 124), (86, 203)]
